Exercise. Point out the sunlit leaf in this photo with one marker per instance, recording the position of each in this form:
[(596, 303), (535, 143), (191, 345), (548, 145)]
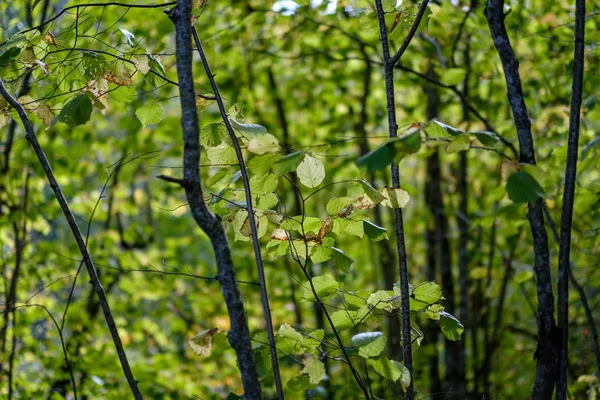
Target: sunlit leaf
[(202, 343), (150, 114), (311, 172)]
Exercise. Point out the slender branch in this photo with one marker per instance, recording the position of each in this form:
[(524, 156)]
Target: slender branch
[(411, 33), (546, 350), (94, 279), (238, 335), (388, 70), (112, 3), (251, 220), (568, 200)]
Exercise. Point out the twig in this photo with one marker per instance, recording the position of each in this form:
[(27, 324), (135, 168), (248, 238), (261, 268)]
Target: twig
[(97, 285)]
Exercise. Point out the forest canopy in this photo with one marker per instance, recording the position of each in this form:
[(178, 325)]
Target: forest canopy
[(310, 199)]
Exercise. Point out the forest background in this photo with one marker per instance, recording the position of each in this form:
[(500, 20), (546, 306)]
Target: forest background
[(423, 179)]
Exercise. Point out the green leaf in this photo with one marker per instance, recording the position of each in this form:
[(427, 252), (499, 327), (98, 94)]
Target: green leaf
[(213, 134), (299, 383), (370, 344), (388, 5), (313, 340), (222, 154), (261, 165), (382, 300), (321, 253), (249, 129), (313, 367), (289, 332), (262, 184), (523, 277), (76, 112), (343, 226), (451, 327), (85, 23), (150, 114), (337, 204), (341, 260), (343, 319), (405, 377), (123, 94), (288, 163), (378, 159), (447, 128), (452, 76), (433, 312), (523, 188), (374, 232), (488, 139), (460, 143), (371, 192), (265, 143), (424, 295), (386, 368), (478, 273), (325, 287), (395, 197), (311, 172)]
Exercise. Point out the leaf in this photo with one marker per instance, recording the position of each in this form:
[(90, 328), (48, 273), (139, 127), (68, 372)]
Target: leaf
[(378, 159), (387, 368), (451, 327), (341, 260), (388, 5), (374, 232), (523, 188), (85, 23), (371, 192), (141, 62), (123, 94), (262, 184), (405, 377), (49, 38), (460, 143), (311, 172), (76, 112), (337, 205), (447, 128), (288, 163), (299, 383), (45, 113), (313, 368), (251, 129), (478, 273), (288, 332), (488, 139), (320, 254), (313, 340), (342, 226), (523, 277), (424, 295), (222, 154), (129, 37), (370, 344), (325, 287), (433, 312), (395, 197), (261, 144), (212, 135), (202, 343), (261, 165), (452, 76), (150, 114)]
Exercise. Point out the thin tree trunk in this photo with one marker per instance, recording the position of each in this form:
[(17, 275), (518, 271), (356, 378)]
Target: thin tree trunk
[(238, 335), (545, 376), (568, 200)]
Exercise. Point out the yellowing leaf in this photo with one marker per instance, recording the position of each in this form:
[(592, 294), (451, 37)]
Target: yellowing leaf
[(45, 113), (311, 172), (265, 143), (395, 197), (202, 343)]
